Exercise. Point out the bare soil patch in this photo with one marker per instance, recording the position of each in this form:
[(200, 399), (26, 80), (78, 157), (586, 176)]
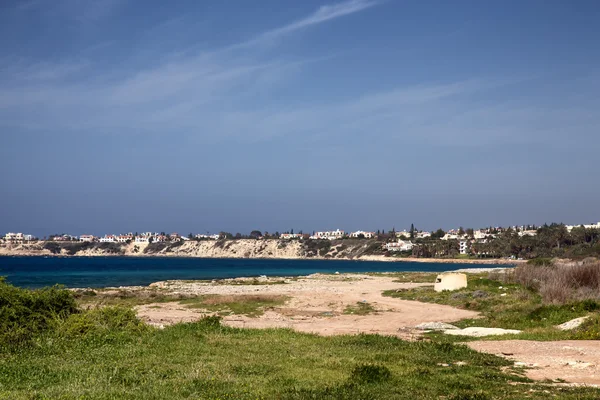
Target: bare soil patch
[(316, 304), (574, 361)]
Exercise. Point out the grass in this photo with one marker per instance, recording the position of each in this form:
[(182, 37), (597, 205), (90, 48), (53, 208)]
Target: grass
[(108, 353), (250, 305), (126, 297), (509, 306), (208, 361), (361, 308), (408, 277)]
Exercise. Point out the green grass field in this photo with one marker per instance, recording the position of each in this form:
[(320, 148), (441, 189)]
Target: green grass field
[(52, 349), (509, 306), (204, 360)]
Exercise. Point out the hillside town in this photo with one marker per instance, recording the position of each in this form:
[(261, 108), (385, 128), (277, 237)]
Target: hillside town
[(468, 241)]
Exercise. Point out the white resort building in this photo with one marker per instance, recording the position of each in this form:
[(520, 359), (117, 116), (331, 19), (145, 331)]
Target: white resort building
[(400, 245), (107, 239), (464, 247), (366, 235), (330, 235), (289, 236)]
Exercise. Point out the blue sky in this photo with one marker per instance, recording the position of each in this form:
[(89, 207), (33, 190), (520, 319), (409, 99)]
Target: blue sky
[(194, 116)]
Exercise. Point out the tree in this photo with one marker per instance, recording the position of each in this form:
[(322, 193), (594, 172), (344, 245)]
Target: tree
[(292, 231), (470, 232), (238, 235), (412, 231), (255, 234), (461, 231), (438, 234), (190, 236)]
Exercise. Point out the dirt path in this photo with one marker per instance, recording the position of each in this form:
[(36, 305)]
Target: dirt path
[(575, 361), (317, 304)]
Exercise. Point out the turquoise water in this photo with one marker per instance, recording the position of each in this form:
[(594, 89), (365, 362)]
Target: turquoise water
[(35, 272)]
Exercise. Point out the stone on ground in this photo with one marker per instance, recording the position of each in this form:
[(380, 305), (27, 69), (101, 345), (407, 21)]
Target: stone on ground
[(435, 326), (572, 324), (479, 332)]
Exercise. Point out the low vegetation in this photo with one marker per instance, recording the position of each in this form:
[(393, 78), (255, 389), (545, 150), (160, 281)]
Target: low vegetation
[(62, 351), (532, 298), (361, 308), (250, 305), (559, 282)]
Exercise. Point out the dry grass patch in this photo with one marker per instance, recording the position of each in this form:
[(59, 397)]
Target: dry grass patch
[(559, 283), (252, 305)]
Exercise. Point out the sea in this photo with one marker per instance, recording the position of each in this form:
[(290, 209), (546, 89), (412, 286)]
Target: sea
[(83, 272)]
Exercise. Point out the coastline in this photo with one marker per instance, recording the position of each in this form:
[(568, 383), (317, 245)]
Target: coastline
[(350, 250), (382, 259)]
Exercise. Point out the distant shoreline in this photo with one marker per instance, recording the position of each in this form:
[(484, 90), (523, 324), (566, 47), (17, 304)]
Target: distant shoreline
[(352, 250), (382, 259)]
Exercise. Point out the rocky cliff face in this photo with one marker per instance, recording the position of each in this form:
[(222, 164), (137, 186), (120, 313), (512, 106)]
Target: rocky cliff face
[(243, 248)]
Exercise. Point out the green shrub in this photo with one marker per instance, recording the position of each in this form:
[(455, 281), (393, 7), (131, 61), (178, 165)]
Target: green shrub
[(25, 313), (370, 373), (53, 247), (101, 321), (589, 330)]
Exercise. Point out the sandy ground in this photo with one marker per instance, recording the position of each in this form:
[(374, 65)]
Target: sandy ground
[(576, 361), (316, 305)]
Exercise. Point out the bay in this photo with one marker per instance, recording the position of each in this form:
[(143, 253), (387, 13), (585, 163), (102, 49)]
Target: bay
[(36, 272)]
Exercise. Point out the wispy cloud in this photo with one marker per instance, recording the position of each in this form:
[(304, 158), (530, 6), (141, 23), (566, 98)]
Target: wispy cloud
[(231, 93), (323, 14)]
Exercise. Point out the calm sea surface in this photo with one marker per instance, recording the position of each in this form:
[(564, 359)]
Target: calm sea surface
[(34, 272)]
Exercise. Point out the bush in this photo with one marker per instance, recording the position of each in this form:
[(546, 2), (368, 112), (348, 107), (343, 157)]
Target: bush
[(589, 330), (102, 321), (560, 283), (26, 313), (369, 373), (53, 247)]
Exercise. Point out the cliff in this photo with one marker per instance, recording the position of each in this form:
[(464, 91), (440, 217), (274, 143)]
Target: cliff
[(242, 248), (348, 249)]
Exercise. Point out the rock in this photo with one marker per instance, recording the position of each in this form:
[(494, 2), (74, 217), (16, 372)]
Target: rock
[(572, 324), (479, 332), (458, 296), (480, 294), (435, 326), (450, 281)]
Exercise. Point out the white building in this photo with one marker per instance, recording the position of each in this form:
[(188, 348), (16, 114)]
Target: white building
[(464, 247), (527, 233), (289, 236), (422, 235), (450, 236), (13, 237), (479, 234), (366, 235), (108, 239), (87, 238), (400, 245), (211, 237), (124, 238), (330, 235)]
